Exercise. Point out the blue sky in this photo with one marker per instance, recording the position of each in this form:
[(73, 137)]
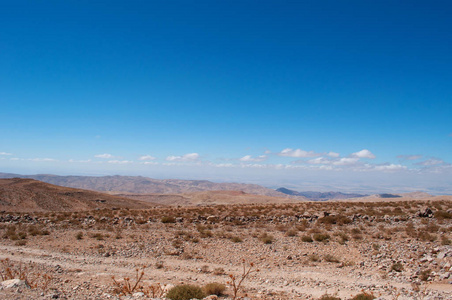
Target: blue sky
[(343, 95)]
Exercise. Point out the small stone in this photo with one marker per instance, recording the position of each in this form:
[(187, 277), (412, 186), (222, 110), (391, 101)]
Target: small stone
[(14, 283)]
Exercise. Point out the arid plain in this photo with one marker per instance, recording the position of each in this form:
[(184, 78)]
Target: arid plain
[(66, 243)]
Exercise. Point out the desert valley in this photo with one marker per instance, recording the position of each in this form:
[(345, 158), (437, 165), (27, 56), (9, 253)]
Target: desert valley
[(69, 243)]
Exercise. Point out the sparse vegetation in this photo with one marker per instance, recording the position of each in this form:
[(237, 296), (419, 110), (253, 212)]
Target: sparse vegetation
[(185, 292), (236, 281), (331, 258), (307, 239), (79, 235), (364, 296), (425, 274), (236, 239), (168, 219), (214, 288), (205, 239), (127, 286), (397, 267), (266, 238), (321, 237), (329, 297)]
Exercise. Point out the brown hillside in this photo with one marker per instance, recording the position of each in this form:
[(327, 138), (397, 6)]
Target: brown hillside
[(209, 198), (28, 195), (144, 185)]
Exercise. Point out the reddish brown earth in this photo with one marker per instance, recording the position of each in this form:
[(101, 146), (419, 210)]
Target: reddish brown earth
[(391, 249)]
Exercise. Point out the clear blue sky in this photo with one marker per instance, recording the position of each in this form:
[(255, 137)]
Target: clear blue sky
[(346, 95)]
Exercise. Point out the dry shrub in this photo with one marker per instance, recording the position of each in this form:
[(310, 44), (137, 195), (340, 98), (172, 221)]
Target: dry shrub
[(331, 258), (441, 215), (397, 267), (445, 241), (364, 296), (218, 271), (236, 282), (236, 239), (266, 238), (214, 288), (154, 290), (127, 287), (291, 233), (343, 237), (205, 269), (185, 292), (168, 219), (321, 237), (314, 257), (329, 297), (307, 239), (425, 274), (159, 265)]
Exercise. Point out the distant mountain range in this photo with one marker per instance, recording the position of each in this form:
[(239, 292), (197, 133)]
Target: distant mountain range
[(144, 185), (319, 196)]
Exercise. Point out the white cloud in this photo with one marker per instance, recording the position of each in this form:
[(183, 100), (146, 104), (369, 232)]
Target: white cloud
[(255, 159), (319, 160), (346, 161), (42, 159), (105, 155), (259, 166), (363, 154), (431, 162), (80, 161), (228, 165), (389, 167), (5, 153), (186, 157), (333, 154), (149, 163), (146, 157), (297, 153), (120, 162)]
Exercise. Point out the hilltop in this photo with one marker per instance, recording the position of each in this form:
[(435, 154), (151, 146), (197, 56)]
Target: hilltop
[(26, 195)]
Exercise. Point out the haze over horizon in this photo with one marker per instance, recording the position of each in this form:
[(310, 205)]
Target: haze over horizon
[(349, 96)]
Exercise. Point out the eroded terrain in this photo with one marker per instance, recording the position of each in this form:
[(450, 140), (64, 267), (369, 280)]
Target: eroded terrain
[(393, 250)]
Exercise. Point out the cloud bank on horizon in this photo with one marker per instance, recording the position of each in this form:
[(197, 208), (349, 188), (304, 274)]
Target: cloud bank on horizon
[(296, 164), (357, 161)]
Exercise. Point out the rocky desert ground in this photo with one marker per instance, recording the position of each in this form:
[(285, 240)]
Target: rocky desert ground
[(307, 250)]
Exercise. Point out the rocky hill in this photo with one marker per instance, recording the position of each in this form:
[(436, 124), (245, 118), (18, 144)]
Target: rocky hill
[(27, 195), (144, 185), (319, 196)]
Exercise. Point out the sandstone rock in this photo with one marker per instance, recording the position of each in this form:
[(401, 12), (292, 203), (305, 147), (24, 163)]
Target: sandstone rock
[(14, 283)]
